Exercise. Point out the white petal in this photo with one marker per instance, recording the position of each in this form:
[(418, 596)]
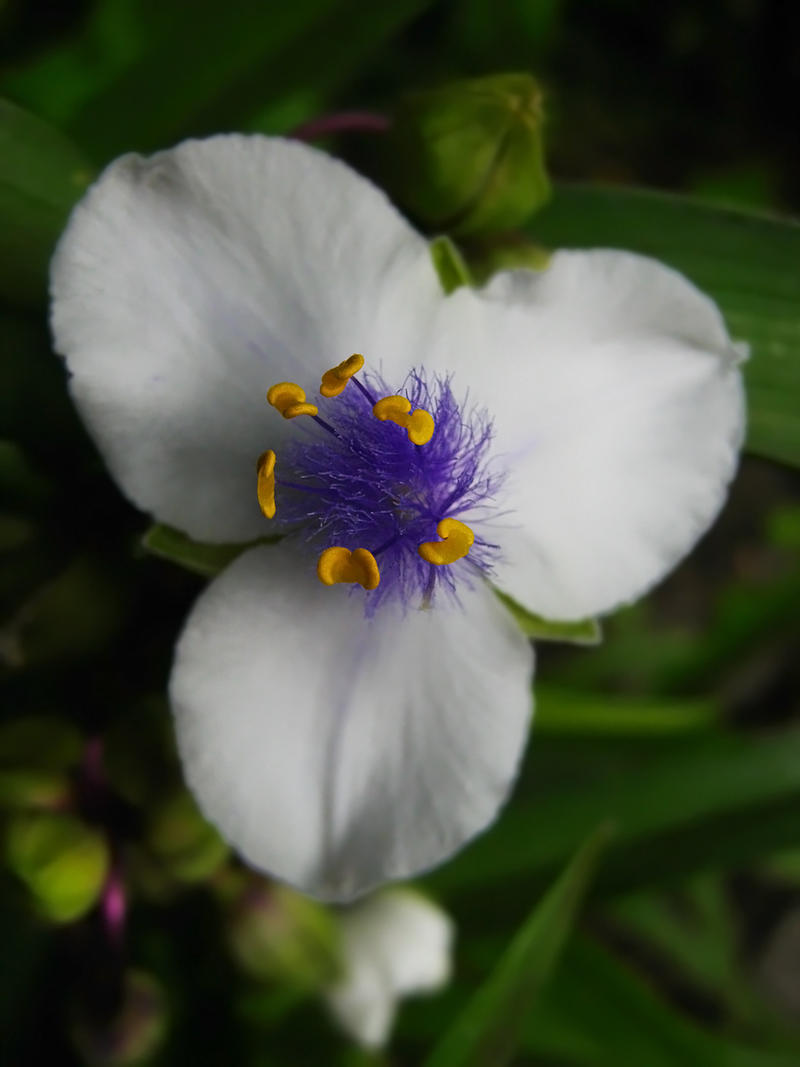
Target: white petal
[(337, 752), (619, 414), (187, 284), (394, 943)]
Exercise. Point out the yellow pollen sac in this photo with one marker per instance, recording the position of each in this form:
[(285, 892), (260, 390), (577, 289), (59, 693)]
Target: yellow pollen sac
[(418, 424), (265, 486), (341, 565), (457, 540), (335, 379), (290, 400)]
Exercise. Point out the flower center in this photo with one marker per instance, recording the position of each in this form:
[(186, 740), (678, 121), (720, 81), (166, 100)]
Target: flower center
[(385, 489)]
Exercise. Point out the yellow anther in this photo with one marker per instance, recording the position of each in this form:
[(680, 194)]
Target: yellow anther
[(457, 540), (290, 400), (265, 486), (335, 379), (418, 424), (341, 565)]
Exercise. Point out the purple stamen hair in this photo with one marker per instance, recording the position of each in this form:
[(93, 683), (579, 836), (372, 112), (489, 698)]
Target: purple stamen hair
[(360, 483)]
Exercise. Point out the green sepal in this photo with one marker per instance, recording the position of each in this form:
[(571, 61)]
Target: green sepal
[(577, 632), (207, 560), (449, 264), (62, 861), (278, 934)]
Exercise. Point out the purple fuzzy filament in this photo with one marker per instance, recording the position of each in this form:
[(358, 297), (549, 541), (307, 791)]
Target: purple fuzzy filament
[(367, 486)]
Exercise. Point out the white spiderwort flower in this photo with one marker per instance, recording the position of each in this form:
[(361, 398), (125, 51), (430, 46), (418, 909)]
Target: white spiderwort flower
[(394, 944), (589, 421)]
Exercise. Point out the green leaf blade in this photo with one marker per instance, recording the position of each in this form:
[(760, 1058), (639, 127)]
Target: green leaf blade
[(42, 174), (746, 262), (489, 1030)]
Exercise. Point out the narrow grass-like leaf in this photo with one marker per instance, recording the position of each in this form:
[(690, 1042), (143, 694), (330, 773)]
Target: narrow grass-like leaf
[(566, 711), (599, 1013), (488, 1032), (668, 797), (747, 262), (224, 70)]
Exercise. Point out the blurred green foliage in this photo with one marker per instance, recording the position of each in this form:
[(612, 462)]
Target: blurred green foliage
[(681, 728)]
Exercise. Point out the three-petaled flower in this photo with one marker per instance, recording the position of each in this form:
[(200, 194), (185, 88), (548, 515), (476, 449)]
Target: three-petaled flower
[(352, 703)]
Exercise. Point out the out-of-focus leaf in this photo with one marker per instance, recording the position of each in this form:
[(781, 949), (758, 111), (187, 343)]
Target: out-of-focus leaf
[(696, 931), (35, 409), (746, 262), (568, 711), (74, 615), (146, 74), (667, 797), (26, 789), (783, 528), (580, 632), (488, 1031), (598, 1013), (24, 940), (36, 754), (42, 174), (41, 741), (139, 757), (20, 484)]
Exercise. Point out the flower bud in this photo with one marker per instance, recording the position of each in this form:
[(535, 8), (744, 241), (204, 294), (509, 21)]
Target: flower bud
[(133, 1034), (278, 934), (468, 157), (62, 861)]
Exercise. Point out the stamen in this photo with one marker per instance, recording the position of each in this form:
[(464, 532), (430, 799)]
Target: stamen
[(265, 484), (290, 400), (457, 539), (325, 425), (335, 379), (418, 424), (338, 564), (364, 392)]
